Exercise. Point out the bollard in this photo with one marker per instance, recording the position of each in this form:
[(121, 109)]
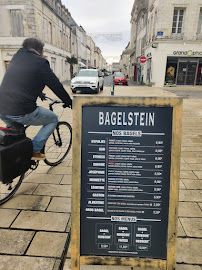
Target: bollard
[(112, 90)]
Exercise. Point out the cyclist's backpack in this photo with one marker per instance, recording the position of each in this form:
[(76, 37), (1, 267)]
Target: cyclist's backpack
[(15, 155)]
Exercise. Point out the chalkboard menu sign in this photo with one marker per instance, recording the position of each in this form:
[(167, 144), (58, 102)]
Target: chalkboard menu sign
[(125, 180)]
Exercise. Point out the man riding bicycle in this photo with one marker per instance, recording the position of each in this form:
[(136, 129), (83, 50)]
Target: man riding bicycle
[(27, 75)]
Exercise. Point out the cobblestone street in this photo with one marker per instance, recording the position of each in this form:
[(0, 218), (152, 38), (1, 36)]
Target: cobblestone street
[(35, 223)]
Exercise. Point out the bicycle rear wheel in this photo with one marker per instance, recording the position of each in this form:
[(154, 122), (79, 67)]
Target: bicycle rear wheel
[(58, 144), (8, 190)]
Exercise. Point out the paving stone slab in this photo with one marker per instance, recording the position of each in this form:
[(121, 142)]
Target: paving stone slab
[(185, 167), (192, 227), (187, 267), (198, 154), (67, 161), (41, 169), (53, 190), (189, 209), (200, 205), (28, 202), (14, 241), (192, 184), (190, 160), (7, 216), (187, 174), (47, 221), (66, 180), (182, 186), (57, 265), (187, 154), (180, 230), (195, 167), (25, 263), (46, 244), (26, 188), (60, 205), (60, 170), (43, 179), (189, 251), (190, 195), (191, 149), (198, 174)]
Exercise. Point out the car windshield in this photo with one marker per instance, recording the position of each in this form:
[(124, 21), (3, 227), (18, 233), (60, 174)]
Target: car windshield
[(120, 75), (87, 73)]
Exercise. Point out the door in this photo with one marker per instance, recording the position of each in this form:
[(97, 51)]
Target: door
[(182, 71), (187, 73), (191, 73)]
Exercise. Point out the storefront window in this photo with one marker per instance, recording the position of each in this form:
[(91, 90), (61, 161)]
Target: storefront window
[(6, 64), (199, 74), (171, 70)]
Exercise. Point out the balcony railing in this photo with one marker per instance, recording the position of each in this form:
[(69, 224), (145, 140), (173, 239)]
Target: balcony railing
[(177, 36)]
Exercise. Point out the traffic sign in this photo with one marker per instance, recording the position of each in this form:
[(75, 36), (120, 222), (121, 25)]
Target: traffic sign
[(143, 59)]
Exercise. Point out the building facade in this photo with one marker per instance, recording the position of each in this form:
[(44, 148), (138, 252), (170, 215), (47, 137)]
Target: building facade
[(48, 20), (91, 51), (169, 35), (125, 60)]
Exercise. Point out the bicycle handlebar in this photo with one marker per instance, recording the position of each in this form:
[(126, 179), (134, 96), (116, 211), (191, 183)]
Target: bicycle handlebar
[(54, 101)]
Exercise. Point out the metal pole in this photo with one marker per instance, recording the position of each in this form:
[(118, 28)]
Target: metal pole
[(112, 90)]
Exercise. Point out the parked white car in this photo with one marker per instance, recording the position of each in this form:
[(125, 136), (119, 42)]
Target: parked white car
[(90, 80)]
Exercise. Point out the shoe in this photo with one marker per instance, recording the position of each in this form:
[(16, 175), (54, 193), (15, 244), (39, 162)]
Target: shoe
[(38, 156)]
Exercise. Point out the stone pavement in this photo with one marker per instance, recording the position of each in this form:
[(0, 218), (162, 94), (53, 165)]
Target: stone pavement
[(35, 223)]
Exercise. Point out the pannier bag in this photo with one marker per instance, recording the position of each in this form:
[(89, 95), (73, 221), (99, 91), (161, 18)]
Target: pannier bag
[(9, 136), (15, 159)]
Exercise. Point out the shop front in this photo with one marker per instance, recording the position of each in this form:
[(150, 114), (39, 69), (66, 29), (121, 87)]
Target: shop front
[(5, 58), (184, 70)]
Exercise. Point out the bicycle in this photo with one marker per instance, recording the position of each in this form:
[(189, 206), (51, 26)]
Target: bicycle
[(56, 149)]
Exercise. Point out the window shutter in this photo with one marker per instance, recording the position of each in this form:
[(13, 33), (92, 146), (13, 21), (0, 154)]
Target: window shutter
[(17, 23)]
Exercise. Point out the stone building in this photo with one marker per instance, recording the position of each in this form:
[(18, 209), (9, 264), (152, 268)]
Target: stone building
[(125, 60), (48, 20), (169, 35), (91, 51)]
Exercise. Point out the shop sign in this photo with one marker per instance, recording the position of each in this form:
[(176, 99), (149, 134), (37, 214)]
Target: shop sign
[(126, 178), (7, 56), (188, 53)]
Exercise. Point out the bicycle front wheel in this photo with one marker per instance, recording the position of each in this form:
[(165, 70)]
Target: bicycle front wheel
[(8, 190), (58, 144)]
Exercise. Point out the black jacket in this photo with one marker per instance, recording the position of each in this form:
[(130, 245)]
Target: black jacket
[(27, 75)]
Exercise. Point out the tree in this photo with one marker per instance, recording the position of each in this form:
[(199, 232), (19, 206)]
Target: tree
[(72, 61)]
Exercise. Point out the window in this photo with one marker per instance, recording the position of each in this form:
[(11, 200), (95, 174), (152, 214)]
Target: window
[(177, 21), (17, 23), (154, 27), (50, 34), (199, 31)]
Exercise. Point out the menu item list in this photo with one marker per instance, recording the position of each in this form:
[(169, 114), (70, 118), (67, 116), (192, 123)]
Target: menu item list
[(125, 181)]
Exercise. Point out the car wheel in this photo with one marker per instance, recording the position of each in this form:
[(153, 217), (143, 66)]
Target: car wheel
[(97, 90), (101, 88)]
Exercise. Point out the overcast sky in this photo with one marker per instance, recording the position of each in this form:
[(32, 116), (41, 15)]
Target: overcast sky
[(104, 16)]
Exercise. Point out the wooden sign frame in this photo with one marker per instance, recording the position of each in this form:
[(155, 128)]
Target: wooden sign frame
[(147, 263)]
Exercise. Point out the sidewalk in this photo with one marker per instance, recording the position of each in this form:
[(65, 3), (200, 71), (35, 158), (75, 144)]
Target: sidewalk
[(35, 223)]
